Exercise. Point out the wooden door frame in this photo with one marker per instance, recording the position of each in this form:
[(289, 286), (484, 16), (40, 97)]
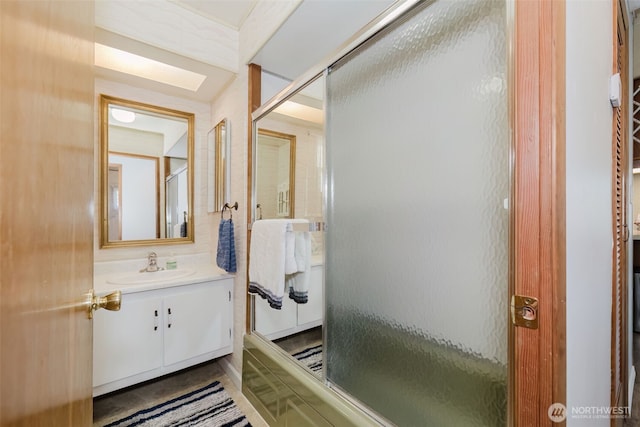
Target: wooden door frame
[(538, 371)]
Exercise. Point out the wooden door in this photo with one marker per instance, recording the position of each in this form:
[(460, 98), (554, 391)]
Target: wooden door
[(621, 232), (46, 212)]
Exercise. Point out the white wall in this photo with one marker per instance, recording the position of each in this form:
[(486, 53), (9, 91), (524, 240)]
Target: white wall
[(588, 225), (232, 104), (265, 18), (267, 180), (138, 210)]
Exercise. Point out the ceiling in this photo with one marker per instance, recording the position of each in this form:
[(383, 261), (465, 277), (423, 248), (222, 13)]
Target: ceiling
[(231, 13), (203, 36), (305, 39)]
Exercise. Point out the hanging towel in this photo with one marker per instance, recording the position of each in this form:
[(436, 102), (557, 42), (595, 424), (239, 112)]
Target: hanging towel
[(290, 265), (226, 255), (299, 281), (267, 260)]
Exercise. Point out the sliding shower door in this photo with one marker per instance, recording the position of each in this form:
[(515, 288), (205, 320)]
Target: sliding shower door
[(417, 264)]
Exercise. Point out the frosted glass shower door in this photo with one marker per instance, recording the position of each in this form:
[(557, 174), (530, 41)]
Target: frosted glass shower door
[(418, 147)]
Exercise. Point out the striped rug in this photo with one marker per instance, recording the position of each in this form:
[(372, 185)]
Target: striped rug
[(209, 406), (311, 357)]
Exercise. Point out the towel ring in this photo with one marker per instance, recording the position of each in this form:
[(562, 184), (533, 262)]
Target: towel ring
[(229, 207)]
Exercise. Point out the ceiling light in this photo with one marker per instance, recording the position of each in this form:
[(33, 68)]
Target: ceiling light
[(124, 116), (129, 63)]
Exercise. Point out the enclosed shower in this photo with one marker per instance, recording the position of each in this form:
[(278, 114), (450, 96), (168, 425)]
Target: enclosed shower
[(417, 210)]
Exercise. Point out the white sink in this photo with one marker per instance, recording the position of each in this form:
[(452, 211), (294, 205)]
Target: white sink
[(150, 277)]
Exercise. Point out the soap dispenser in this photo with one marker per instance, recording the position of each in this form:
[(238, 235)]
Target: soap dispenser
[(172, 264)]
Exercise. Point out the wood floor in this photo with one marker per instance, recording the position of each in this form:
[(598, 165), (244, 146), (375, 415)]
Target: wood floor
[(116, 405)]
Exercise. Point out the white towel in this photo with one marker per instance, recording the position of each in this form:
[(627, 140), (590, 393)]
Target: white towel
[(267, 260), (295, 257), (299, 282), (290, 264)]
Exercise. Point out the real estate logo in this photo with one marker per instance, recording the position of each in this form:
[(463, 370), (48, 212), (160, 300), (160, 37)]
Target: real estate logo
[(557, 412)]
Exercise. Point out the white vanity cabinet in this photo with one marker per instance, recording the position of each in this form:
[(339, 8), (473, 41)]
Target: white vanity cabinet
[(119, 335), (161, 331), (292, 317), (197, 321)]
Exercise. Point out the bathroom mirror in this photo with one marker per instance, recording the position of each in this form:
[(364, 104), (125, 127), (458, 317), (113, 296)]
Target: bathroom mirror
[(146, 174), (288, 154), (219, 166), (275, 174)]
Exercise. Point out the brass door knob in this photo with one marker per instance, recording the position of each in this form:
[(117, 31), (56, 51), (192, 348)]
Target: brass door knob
[(111, 302)]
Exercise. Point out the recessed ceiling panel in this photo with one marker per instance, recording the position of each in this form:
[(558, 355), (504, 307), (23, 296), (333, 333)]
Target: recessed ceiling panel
[(313, 31)]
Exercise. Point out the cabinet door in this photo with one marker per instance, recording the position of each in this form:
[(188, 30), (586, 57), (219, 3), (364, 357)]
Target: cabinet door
[(129, 341), (313, 310), (197, 321), (272, 323)]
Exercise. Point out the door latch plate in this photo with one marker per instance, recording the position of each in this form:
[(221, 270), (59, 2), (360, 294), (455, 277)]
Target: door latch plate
[(524, 311)]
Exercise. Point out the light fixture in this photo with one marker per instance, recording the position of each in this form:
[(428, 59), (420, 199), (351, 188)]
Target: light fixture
[(140, 66), (300, 111), (123, 116)]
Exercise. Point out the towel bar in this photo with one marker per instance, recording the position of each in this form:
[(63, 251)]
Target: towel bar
[(304, 226), (229, 207), (311, 226)]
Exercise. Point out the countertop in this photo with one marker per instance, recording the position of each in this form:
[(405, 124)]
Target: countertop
[(202, 273)]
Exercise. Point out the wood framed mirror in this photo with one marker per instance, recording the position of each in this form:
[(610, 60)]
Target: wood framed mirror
[(219, 166), (146, 174)]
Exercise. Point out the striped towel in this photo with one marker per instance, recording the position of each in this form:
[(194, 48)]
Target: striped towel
[(299, 281), (226, 255), (267, 258)]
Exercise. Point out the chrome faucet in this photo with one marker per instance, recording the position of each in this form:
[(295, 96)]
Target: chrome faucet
[(153, 263)]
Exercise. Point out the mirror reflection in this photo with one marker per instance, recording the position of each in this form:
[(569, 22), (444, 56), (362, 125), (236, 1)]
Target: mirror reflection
[(275, 192), (219, 170), (146, 174), (289, 156)]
